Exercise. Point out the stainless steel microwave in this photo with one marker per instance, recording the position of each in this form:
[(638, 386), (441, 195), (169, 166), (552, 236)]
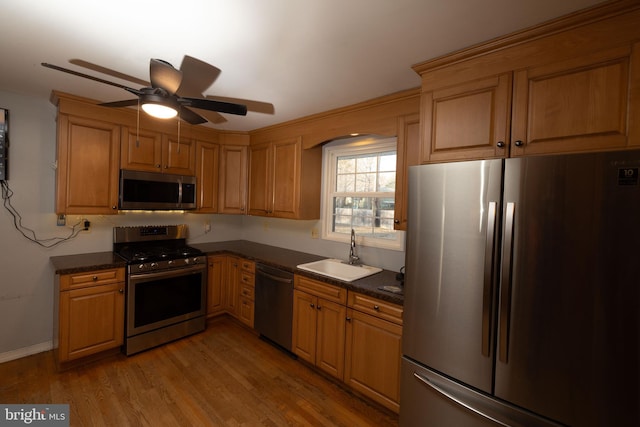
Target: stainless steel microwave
[(156, 191)]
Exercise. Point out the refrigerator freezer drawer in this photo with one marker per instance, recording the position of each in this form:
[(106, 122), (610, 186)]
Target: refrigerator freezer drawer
[(431, 400)]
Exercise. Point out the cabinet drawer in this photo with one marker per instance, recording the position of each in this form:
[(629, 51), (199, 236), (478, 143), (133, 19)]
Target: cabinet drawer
[(320, 289), (91, 278), (247, 291), (248, 279), (248, 266), (375, 307)]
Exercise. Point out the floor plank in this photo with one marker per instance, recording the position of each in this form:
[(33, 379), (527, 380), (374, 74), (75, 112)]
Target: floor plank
[(225, 376)]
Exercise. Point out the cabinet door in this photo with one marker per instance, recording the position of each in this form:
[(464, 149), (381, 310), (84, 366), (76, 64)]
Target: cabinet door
[(286, 178), (140, 150), (373, 357), (233, 179), (303, 340), (467, 121), (91, 320), (582, 104), (232, 288), (216, 280), (88, 166), (408, 155), (330, 337), (260, 180), (178, 155), (207, 161)]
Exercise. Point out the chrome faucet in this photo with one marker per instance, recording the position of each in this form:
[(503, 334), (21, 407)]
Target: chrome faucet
[(353, 258)]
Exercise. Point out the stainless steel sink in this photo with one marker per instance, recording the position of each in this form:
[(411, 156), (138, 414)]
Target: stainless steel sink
[(337, 269)]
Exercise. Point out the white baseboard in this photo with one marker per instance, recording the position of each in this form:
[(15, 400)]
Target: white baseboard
[(25, 351)]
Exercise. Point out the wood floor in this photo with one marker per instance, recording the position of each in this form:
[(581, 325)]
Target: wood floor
[(225, 376)]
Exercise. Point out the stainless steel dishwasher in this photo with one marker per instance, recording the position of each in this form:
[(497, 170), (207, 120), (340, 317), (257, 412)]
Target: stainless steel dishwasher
[(274, 304)]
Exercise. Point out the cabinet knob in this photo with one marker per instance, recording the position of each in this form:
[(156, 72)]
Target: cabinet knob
[(311, 305), (519, 143), (376, 307), (114, 207), (158, 165), (348, 319), (121, 290), (95, 278), (396, 221), (500, 144), (319, 308)]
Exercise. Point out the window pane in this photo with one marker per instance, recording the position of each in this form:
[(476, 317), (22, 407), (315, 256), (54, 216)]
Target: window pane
[(367, 163), (346, 164), (387, 182), (345, 183), (366, 182), (387, 162), (368, 216)]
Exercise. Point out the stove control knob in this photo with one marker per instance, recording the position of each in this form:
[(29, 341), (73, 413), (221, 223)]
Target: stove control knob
[(186, 260), (154, 265), (170, 262), (141, 266), (196, 260)]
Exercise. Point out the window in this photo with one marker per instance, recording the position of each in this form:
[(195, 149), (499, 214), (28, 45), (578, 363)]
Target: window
[(360, 183)]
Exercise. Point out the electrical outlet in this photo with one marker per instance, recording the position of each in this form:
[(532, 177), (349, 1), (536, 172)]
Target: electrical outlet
[(86, 224), (314, 233), (207, 226), (61, 221)]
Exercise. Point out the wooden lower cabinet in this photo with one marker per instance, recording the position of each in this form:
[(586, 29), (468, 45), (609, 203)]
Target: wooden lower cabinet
[(90, 313), (216, 271), (318, 331), (246, 303), (372, 358)]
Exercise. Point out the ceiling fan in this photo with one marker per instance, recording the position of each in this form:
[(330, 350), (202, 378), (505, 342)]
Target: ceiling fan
[(171, 91)]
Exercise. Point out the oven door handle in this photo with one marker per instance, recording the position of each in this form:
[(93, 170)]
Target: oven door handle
[(168, 273)]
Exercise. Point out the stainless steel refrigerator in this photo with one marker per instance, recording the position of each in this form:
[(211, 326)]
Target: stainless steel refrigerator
[(522, 293)]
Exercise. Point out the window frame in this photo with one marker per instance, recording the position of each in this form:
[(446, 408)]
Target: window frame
[(347, 147)]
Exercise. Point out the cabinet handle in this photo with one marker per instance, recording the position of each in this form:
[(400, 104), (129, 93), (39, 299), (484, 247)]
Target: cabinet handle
[(95, 278), (121, 290), (311, 305), (348, 319), (319, 308), (396, 221), (114, 207), (500, 144), (519, 143), (376, 307), (158, 165)]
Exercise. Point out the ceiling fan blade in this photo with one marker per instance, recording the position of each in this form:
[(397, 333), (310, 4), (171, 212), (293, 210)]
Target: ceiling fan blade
[(108, 71), (191, 116), (197, 77), (164, 76), (86, 76), (254, 106), (211, 116), (211, 105), (125, 103)]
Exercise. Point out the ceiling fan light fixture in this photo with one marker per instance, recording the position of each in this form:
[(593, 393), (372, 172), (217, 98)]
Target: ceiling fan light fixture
[(159, 111)]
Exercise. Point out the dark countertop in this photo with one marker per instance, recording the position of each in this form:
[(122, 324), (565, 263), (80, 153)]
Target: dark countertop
[(69, 264), (285, 259)]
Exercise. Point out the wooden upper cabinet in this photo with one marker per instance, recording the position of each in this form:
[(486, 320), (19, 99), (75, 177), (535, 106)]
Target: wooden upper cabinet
[(284, 179), (408, 154), (233, 179), (570, 85), (178, 155), (151, 151), (581, 104), (469, 120), (207, 170), (88, 166), (141, 149)]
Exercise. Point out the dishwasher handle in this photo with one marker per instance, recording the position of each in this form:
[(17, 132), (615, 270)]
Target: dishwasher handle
[(262, 272)]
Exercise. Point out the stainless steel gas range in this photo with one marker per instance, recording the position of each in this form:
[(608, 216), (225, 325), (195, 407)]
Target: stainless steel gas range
[(166, 285)]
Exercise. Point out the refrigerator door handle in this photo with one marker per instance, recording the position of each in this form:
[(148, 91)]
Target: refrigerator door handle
[(456, 400), (506, 285), (487, 291)]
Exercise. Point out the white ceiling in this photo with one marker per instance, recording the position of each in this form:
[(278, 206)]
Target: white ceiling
[(303, 56)]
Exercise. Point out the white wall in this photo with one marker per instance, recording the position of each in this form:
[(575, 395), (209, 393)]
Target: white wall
[(26, 275)]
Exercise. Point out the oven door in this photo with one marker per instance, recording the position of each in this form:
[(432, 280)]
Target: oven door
[(163, 298)]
